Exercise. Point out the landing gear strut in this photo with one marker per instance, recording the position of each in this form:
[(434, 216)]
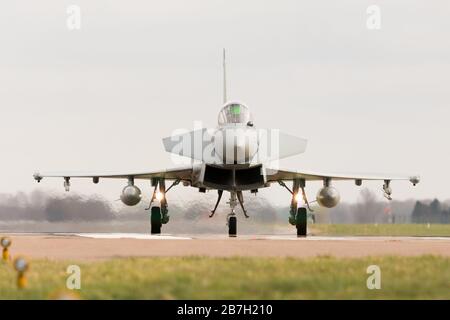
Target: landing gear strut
[(298, 217), (236, 198), (213, 211), (231, 218), (241, 202), (159, 215)]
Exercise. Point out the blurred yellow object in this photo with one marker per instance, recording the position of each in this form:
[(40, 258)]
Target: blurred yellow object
[(5, 254), (21, 280), (21, 266), (5, 242)]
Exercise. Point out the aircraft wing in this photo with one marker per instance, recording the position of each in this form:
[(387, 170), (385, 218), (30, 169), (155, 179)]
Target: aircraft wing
[(184, 173), (277, 175)]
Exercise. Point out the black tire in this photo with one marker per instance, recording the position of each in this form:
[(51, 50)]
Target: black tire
[(301, 222), (155, 220), (232, 226)]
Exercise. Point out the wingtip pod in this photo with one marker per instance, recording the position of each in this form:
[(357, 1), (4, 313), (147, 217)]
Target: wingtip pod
[(37, 176), (414, 180)]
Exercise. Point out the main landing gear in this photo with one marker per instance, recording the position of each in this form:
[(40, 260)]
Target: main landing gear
[(155, 220), (301, 222), (159, 215), (236, 198), (298, 217)]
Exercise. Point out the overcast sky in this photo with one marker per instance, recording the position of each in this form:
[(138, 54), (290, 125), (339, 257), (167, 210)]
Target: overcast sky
[(103, 97)]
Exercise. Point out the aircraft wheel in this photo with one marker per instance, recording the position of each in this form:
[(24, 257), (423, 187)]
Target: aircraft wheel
[(232, 226), (292, 220), (155, 220), (301, 222), (165, 219)]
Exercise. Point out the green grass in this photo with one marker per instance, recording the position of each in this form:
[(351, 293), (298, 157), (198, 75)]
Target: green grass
[(432, 230), (425, 277)]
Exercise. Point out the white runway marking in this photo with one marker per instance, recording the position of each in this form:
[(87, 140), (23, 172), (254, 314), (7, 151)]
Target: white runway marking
[(141, 236)]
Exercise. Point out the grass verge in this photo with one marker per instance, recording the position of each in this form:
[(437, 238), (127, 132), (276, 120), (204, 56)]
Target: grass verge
[(432, 230), (425, 277)]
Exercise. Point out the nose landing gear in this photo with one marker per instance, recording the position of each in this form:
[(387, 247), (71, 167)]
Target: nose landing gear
[(232, 225), (236, 198), (231, 218)]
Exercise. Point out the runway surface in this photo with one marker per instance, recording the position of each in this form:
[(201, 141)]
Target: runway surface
[(94, 246)]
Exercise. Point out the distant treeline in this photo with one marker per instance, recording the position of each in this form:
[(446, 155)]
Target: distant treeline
[(39, 206), (434, 212), (369, 209), (73, 207)]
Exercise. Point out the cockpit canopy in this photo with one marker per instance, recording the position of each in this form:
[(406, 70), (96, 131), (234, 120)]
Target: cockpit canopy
[(234, 112)]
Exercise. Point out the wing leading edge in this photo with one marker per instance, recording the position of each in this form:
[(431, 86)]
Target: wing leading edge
[(277, 175), (184, 173)]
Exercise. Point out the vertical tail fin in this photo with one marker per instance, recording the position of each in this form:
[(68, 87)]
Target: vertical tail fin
[(224, 78)]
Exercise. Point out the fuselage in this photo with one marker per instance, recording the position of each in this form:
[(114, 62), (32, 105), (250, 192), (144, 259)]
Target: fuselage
[(233, 155), (234, 164), (236, 144), (236, 139)]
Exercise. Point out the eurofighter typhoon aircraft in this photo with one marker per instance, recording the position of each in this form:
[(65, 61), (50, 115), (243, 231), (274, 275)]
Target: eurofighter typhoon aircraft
[(234, 157)]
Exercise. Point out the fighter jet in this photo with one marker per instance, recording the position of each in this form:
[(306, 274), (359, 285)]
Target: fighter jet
[(235, 157)]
